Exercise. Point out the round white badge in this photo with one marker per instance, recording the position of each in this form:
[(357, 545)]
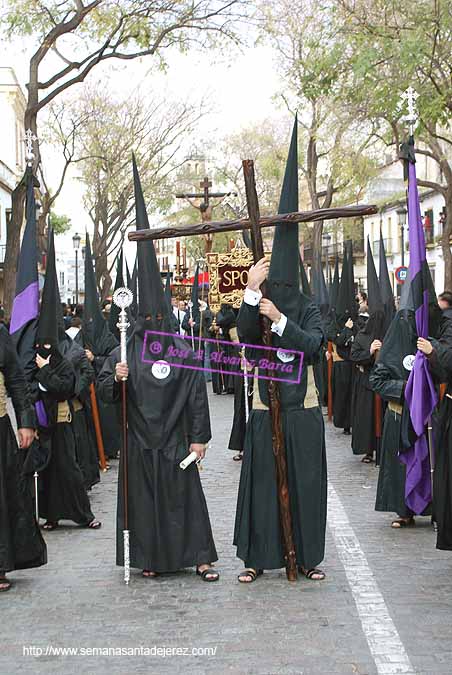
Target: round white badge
[(285, 357), (160, 370), (408, 361)]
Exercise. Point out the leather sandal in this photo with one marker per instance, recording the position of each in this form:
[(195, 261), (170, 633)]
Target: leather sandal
[(251, 573)]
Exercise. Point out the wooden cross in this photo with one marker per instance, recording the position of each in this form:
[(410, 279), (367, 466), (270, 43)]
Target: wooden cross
[(205, 207), (255, 223)]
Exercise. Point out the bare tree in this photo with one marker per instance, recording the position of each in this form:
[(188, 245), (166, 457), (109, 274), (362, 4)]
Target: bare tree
[(114, 130), (72, 37), (312, 60)]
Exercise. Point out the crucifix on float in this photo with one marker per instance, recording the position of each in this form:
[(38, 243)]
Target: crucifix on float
[(206, 207)]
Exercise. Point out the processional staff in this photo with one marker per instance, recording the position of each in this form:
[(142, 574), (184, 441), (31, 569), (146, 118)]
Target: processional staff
[(123, 298)]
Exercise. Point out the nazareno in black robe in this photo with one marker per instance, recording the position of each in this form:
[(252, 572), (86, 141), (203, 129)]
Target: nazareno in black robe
[(342, 376), (363, 406), (388, 379), (101, 347), (222, 380), (85, 441), (21, 542), (442, 482), (257, 533), (62, 490), (168, 518)]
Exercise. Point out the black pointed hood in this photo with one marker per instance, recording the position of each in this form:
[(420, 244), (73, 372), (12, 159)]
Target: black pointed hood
[(47, 332), (132, 284), (387, 294), (168, 288), (195, 313), (375, 328), (319, 289), (374, 299), (284, 273), (151, 298), (346, 306), (119, 283), (304, 282), (96, 334), (334, 288)]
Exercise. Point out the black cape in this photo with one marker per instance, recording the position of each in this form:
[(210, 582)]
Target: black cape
[(168, 518), (21, 542)]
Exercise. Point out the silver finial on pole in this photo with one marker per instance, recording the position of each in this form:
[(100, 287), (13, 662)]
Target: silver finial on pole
[(123, 298), (408, 102), (30, 138)]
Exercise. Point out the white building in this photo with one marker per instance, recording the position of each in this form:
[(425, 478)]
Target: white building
[(392, 219), (12, 148), (65, 261)]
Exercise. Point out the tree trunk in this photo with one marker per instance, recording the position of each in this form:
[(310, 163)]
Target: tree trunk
[(445, 242)]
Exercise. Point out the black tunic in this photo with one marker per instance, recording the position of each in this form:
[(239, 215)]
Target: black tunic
[(108, 413), (257, 533), (343, 378), (63, 493), (168, 518), (21, 543), (85, 441), (237, 437), (363, 406), (441, 360), (389, 381)]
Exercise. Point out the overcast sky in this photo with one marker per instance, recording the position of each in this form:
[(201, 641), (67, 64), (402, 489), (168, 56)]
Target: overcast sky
[(239, 89)]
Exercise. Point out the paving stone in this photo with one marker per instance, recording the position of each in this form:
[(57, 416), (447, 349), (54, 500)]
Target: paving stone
[(271, 627)]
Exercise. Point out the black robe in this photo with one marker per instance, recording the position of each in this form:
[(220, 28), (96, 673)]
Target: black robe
[(85, 441), (223, 382), (108, 413), (343, 378), (62, 495), (389, 381), (442, 483), (168, 518), (21, 542), (237, 436), (257, 533), (363, 399)]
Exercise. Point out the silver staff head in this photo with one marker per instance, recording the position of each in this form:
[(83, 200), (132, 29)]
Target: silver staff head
[(123, 298)]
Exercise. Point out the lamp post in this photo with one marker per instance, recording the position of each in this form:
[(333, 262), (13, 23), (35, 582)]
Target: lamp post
[(76, 239), (401, 215)]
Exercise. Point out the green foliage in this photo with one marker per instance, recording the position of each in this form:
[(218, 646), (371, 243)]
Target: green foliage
[(59, 223)]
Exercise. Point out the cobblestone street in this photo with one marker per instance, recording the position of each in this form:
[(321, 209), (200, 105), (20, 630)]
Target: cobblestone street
[(385, 607)]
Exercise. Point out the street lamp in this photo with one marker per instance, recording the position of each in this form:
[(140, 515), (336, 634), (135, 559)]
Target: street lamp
[(76, 239), (401, 215)]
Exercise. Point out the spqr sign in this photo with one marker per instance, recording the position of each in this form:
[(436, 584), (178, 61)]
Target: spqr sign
[(401, 274)]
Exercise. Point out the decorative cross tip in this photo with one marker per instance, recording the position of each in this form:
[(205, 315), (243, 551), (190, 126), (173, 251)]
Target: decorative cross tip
[(30, 138), (408, 102)]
